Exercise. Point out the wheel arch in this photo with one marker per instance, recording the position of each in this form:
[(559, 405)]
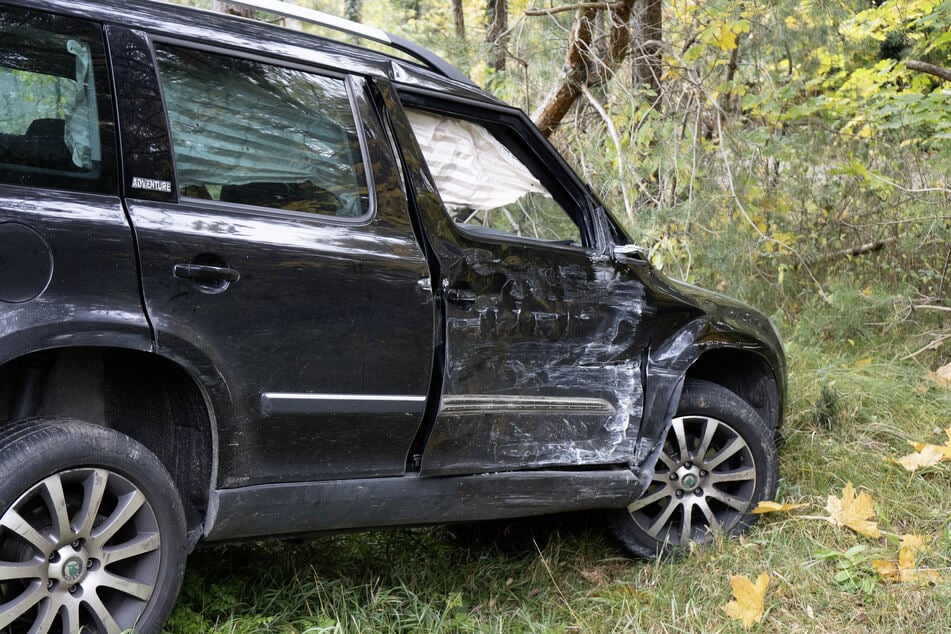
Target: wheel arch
[(147, 397), (745, 373), (737, 364)]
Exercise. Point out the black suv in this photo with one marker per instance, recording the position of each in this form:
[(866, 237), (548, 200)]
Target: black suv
[(260, 283)]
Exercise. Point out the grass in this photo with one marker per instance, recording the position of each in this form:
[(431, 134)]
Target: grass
[(854, 404)]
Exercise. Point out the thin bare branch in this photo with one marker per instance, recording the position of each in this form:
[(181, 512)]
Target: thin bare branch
[(905, 221), (931, 307), (617, 147), (575, 7), (932, 345), (910, 190)]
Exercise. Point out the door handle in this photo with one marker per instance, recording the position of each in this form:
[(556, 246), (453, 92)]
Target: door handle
[(205, 273)]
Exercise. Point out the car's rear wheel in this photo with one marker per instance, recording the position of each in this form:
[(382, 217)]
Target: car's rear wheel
[(92, 531), (718, 461)]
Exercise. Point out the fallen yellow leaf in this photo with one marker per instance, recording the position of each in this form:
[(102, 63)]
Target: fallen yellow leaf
[(853, 512), (942, 376), (887, 570), (775, 507), (927, 450), (747, 606), (927, 456), (910, 546), (906, 571)]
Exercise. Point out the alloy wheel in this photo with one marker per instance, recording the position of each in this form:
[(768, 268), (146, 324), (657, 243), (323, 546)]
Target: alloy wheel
[(704, 482), (79, 551)]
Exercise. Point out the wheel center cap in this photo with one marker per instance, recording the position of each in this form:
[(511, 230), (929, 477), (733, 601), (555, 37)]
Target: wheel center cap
[(73, 569), (689, 481)]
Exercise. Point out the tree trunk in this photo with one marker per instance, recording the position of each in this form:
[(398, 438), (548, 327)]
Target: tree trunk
[(585, 67), (458, 18), (619, 38), (230, 9), (648, 43), (416, 7), (728, 102), (352, 10), (574, 74), (498, 23)]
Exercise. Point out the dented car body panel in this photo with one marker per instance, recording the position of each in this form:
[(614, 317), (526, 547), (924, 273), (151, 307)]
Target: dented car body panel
[(326, 371)]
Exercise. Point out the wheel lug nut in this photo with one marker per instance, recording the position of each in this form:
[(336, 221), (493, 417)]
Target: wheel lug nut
[(703, 474), (699, 491), (688, 465), (75, 544), (673, 475), (680, 494), (89, 564), (73, 589), (49, 584)]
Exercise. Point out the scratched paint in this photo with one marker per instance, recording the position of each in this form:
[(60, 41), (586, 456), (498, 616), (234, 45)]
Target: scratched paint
[(541, 325), (522, 319)]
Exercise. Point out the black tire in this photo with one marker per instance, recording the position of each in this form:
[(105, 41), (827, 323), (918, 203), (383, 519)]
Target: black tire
[(92, 531), (718, 462)]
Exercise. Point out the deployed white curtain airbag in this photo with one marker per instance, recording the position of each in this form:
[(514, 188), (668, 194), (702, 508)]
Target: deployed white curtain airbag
[(82, 121), (471, 168)]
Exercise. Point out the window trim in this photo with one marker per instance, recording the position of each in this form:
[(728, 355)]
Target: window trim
[(350, 85)]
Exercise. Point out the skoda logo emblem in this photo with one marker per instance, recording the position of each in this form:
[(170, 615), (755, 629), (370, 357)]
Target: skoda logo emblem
[(689, 481), (73, 570)]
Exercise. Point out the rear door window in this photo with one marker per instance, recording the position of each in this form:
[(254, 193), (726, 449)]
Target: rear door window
[(55, 122), (259, 134)]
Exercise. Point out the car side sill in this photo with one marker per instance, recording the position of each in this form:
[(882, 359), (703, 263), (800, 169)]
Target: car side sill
[(338, 505)]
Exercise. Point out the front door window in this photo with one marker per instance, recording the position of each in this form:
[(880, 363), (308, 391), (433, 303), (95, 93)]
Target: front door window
[(484, 185)]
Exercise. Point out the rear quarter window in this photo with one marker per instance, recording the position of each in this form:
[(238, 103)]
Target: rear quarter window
[(55, 122)]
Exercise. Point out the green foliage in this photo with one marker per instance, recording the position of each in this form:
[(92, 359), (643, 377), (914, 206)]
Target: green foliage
[(787, 137), (853, 571)]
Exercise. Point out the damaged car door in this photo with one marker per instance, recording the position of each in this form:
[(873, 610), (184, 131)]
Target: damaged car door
[(542, 330)]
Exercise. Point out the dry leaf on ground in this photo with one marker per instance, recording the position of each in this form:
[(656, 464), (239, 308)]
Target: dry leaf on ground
[(945, 448), (942, 376), (853, 512), (927, 456), (747, 606), (597, 577), (775, 507), (907, 571)]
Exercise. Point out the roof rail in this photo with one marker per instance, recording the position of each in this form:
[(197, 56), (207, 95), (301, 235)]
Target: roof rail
[(319, 18)]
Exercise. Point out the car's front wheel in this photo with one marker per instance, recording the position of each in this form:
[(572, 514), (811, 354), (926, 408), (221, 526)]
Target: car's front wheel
[(92, 531), (718, 461)]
